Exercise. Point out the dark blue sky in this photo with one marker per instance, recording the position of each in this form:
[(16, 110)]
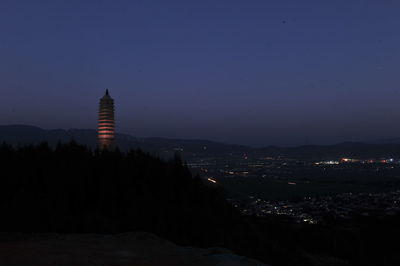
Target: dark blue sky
[(249, 72)]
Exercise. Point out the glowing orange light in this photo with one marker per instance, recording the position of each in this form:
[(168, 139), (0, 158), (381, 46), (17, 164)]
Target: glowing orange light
[(212, 180)]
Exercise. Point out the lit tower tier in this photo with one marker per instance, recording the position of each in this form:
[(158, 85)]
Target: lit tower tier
[(106, 127)]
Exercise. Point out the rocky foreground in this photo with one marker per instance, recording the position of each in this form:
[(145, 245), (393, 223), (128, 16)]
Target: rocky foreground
[(139, 248)]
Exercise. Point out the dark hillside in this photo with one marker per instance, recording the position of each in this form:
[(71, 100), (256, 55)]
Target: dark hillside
[(71, 189)]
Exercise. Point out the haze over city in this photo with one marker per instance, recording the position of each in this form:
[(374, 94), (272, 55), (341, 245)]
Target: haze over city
[(259, 73)]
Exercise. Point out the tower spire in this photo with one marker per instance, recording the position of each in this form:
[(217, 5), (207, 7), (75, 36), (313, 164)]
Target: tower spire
[(106, 126)]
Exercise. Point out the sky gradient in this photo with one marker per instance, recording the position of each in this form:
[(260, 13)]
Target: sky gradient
[(248, 72)]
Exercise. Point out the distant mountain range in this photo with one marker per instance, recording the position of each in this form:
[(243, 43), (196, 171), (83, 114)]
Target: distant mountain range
[(23, 134), (18, 135), (386, 141)]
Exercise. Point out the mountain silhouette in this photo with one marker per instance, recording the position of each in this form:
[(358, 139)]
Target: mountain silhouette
[(18, 135)]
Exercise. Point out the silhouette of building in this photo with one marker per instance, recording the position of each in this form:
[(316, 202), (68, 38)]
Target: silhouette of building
[(106, 126)]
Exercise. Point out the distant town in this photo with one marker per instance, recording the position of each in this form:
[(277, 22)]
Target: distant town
[(306, 191)]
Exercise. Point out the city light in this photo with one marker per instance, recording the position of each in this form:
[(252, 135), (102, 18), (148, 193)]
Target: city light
[(212, 180)]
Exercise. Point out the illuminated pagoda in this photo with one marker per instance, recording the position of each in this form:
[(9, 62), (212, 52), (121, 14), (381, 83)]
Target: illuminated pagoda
[(106, 127)]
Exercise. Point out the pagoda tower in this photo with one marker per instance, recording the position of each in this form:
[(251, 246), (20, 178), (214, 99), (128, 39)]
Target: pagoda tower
[(106, 126)]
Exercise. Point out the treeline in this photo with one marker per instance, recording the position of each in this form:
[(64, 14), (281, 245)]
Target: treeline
[(73, 189)]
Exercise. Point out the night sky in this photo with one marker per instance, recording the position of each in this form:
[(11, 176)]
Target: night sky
[(249, 72)]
